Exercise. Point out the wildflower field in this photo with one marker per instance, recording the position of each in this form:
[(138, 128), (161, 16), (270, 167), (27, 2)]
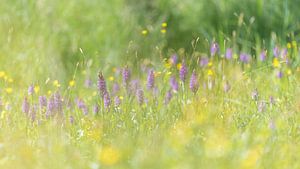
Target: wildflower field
[(156, 84)]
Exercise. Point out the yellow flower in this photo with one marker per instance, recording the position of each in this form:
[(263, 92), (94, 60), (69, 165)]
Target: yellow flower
[(163, 31), (276, 63), (56, 83), (10, 80), (210, 72), (164, 24), (2, 74), (49, 92), (36, 89), (289, 45), (169, 73), (8, 90), (210, 64), (72, 83), (289, 72), (179, 66), (144, 32), (168, 65), (121, 97), (109, 155), (111, 78)]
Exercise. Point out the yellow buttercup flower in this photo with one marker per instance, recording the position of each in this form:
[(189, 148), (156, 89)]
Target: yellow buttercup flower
[(121, 97), (179, 66), (164, 25), (111, 78), (289, 72), (210, 64), (289, 45), (72, 83), (2, 74), (109, 155), (56, 83), (144, 32), (49, 92), (210, 72), (168, 65), (163, 31), (36, 89), (8, 90), (276, 63)]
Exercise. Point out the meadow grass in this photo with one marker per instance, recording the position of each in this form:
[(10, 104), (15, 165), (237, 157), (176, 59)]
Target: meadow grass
[(233, 114)]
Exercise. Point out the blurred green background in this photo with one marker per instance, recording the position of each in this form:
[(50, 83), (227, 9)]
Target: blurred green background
[(42, 38)]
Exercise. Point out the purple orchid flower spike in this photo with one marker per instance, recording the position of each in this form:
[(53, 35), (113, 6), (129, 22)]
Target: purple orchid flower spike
[(183, 72), (228, 54), (194, 85), (214, 49)]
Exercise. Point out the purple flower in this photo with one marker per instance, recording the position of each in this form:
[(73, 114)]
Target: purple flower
[(50, 107), (228, 54), (279, 74), (276, 51), (194, 85), (263, 56), (117, 101), (245, 58), (82, 106), (140, 96), (88, 83), (106, 100), (32, 112), (150, 79), (25, 106), (95, 109), (43, 101), (168, 96), (126, 74), (115, 88), (30, 90), (58, 104), (183, 72), (214, 49), (203, 61), (174, 59), (284, 53), (101, 84), (174, 84)]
